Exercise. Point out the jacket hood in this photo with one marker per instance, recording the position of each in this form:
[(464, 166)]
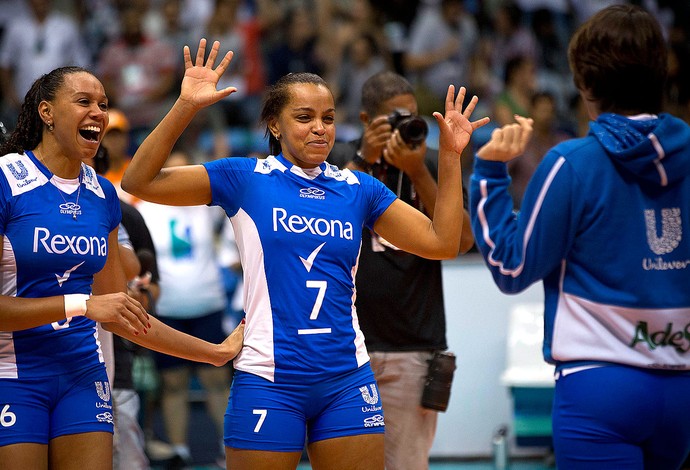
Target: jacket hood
[(655, 150)]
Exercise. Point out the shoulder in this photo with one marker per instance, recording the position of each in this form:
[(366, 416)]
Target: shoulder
[(20, 173), (577, 150), (231, 163)]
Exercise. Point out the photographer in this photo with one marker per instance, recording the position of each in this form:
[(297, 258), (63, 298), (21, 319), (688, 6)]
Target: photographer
[(399, 295)]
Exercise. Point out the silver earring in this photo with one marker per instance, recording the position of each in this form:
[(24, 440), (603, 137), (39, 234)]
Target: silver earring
[(51, 127)]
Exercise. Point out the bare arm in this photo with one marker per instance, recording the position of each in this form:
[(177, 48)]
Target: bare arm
[(181, 185), (130, 262), (439, 237), (167, 340), (466, 237), (112, 283)]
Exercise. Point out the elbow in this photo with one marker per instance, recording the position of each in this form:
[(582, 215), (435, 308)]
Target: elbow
[(130, 187), (127, 185), (509, 286), (450, 252), (466, 244)]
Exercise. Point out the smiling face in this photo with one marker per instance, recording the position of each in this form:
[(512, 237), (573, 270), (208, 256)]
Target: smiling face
[(306, 125), (79, 114)]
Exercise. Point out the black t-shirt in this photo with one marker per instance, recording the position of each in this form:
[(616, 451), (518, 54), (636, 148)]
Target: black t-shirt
[(399, 295)]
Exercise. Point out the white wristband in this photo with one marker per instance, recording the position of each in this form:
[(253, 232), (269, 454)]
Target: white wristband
[(75, 304)]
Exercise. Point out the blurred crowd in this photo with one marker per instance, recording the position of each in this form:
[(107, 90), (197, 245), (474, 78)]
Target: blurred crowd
[(511, 53)]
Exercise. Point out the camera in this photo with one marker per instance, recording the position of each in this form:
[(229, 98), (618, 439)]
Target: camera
[(436, 393), (413, 129)]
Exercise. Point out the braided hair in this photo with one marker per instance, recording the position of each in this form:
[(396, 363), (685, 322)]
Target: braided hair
[(29, 130)]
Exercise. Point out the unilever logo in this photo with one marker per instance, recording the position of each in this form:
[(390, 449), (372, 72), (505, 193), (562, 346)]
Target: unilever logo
[(671, 235), (370, 398), (671, 230)]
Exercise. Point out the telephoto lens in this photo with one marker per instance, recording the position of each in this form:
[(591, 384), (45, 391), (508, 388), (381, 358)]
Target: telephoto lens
[(413, 129), (439, 379)]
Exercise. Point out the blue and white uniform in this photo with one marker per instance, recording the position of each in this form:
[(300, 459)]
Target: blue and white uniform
[(49, 252), (605, 223), (298, 233)]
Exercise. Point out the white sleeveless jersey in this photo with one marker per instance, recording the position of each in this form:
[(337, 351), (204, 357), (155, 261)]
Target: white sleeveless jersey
[(46, 252), (299, 234)]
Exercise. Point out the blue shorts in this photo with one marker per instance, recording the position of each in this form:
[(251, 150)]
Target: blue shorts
[(623, 418), (208, 327), (39, 409), (263, 415)]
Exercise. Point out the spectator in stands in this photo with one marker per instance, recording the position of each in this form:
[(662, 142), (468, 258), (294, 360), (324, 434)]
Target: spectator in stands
[(138, 72), (442, 39), (545, 134), (33, 45), (519, 85)]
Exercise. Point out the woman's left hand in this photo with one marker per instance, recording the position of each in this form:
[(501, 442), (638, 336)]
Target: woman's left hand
[(232, 345), (455, 127), (201, 79)]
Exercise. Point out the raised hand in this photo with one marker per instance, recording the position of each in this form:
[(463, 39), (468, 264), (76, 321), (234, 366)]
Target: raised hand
[(456, 127), (201, 79), (507, 142)]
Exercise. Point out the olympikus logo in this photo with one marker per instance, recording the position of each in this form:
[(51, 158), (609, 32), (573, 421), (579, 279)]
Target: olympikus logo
[(320, 227), (60, 244), (312, 193), (70, 208)]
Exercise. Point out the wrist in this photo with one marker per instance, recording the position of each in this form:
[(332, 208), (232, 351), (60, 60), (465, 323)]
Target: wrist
[(359, 160), (75, 304)]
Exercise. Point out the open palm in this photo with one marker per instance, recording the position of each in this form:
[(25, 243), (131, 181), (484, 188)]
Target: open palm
[(455, 127), (201, 79)]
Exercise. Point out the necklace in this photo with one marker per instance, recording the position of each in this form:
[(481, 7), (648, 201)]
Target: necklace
[(68, 207)]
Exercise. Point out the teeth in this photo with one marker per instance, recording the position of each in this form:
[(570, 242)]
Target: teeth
[(92, 128)]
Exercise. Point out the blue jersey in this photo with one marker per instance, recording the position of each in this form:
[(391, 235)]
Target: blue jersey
[(605, 223), (299, 234), (47, 252)]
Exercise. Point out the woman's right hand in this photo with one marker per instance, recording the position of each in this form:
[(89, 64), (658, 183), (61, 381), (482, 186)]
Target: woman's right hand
[(201, 79), (120, 309)]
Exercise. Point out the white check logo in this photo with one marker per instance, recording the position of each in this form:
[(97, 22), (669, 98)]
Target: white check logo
[(310, 260), (64, 277)]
